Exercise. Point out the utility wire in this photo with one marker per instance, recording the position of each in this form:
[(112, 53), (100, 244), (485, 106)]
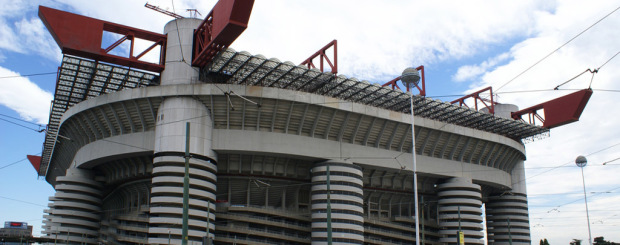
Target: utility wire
[(11, 164), (30, 75), (36, 130), (22, 201), (15, 118), (552, 52)]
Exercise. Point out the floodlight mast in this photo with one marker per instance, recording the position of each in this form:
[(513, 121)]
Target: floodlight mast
[(410, 79), (581, 162)]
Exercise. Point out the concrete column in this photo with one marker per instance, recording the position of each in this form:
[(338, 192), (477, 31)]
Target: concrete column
[(347, 202), (178, 64), (510, 205), (75, 208), (460, 194), (166, 208)]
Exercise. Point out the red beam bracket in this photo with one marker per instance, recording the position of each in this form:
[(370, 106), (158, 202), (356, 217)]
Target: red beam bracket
[(82, 36), (477, 98), (226, 21), (557, 112), (393, 83), (322, 54)]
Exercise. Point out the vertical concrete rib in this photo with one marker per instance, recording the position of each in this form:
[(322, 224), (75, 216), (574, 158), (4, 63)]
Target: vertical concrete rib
[(166, 208), (507, 218), (346, 198), (460, 195), (511, 205)]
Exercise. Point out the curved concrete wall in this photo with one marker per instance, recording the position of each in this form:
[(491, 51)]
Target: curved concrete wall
[(507, 219), (74, 213), (460, 204), (346, 202)]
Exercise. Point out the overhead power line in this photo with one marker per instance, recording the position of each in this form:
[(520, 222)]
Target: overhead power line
[(18, 119), (30, 75), (23, 126), (561, 46)]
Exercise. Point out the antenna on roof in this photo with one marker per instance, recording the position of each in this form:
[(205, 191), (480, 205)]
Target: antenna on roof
[(193, 13), (163, 11)]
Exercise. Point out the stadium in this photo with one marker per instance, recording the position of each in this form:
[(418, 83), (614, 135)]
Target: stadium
[(278, 153)]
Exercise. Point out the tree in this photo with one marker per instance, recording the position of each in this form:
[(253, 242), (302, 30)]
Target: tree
[(600, 241), (576, 242), (544, 241)]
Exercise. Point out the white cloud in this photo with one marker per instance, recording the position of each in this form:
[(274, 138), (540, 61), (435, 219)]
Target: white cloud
[(34, 37), (25, 36), (23, 96), (377, 40), (470, 72), (597, 128)]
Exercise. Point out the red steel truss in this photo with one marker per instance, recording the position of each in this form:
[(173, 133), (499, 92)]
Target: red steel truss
[(422, 89), (557, 112), (226, 21), (323, 57), (477, 98), (82, 36)]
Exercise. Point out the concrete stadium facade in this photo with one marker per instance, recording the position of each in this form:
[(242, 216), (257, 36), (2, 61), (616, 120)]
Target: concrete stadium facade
[(258, 172)]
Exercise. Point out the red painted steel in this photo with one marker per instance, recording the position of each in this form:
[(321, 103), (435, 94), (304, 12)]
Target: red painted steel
[(394, 85), (323, 57), (226, 21), (35, 161), (557, 112), (477, 98), (82, 36)]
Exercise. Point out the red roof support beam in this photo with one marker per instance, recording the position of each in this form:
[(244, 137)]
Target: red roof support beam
[(322, 54), (476, 97), (393, 83), (557, 112), (226, 21), (82, 36), (35, 161)]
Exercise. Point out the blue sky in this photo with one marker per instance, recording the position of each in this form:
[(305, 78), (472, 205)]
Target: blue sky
[(464, 46)]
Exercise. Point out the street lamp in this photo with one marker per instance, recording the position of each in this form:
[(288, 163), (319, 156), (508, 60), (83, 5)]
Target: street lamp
[(410, 79), (581, 162)]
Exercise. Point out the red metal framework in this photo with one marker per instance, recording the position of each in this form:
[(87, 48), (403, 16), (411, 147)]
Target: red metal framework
[(323, 57), (35, 161), (394, 85), (557, 112), (226, 21), (477, 98), (82, 36)]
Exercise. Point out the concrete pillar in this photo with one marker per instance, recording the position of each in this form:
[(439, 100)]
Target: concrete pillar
[(75, 209), (166, 208), (510, 205), (347, 202), (460, 194)]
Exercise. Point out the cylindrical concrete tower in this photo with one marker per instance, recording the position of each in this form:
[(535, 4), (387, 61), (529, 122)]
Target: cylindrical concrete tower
[(507, 213), (166, 209), (346, 198), (75, 212), (460, 204)]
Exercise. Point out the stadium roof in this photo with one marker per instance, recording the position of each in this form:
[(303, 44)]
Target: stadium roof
[(80, 79)]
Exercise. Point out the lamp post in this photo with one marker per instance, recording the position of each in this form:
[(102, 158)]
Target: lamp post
[(581, 162), (410, 79)]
